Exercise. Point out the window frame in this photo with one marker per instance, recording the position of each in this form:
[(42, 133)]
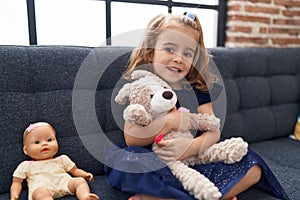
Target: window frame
[(221, 8)]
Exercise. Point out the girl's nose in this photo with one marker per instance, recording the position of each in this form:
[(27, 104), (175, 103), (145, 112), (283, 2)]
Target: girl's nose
[(177, 58)]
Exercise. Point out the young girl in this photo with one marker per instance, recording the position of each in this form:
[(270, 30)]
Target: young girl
[(48, 177), (173, 49)]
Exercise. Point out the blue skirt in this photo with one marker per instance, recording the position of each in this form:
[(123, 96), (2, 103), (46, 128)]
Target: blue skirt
[(137, 170)]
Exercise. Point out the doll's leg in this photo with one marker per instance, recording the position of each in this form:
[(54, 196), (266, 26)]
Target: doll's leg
[(80, 187), (41, 193)]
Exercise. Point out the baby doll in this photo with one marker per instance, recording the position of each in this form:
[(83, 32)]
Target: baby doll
[(48, 176)]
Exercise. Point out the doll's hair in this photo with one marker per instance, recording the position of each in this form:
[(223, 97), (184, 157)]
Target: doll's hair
[(142, 56), (33, 126)]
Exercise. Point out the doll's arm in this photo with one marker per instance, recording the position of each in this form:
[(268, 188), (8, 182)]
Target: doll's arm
[(15, 188), (136, 135), (81, 173)]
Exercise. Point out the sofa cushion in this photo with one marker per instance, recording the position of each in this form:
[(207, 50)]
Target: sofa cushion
[(262, 90), (282, 156), (99, 186)]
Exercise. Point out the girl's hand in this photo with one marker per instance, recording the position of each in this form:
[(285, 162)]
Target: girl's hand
[(179, 121), (174, 149)]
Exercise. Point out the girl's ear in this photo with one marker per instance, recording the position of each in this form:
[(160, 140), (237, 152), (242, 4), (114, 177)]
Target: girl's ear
[(25, 150)]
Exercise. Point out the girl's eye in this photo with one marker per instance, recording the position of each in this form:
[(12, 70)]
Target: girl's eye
[(170, 49), (49, 140), (151, 95), (188, 55), (36, 142)]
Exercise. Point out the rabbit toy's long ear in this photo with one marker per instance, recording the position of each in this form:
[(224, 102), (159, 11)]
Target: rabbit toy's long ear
[(137, 114), (123, 94), (140, 73)]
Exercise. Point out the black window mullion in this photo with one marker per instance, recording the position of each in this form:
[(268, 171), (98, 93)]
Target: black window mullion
[(170, 4), (108, 22), (193, 5), (31, 22), (149, 2), (222, 19)]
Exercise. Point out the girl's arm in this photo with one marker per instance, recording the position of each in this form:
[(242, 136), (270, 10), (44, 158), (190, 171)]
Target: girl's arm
[(15, 188), (81, 173), (136, 135), (180, 148)]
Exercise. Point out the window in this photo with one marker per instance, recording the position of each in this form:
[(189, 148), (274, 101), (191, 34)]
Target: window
[(13, 22), (209, 23), (129, 20), (70, 22), (100, 22)]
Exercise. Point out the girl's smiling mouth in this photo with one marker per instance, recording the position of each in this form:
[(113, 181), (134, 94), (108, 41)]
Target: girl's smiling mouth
[(174, 69)]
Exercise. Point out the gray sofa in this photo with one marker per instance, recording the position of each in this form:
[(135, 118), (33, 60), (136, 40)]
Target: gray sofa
[(72, 88)]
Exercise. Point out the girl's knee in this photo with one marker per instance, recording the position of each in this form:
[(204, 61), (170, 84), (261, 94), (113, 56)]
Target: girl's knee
[(255, 173)]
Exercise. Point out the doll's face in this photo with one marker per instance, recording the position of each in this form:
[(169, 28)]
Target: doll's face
[(41, 143)]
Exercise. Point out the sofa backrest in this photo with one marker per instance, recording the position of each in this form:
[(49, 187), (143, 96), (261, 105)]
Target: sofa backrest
[(36, 84), (262, 91), (51, 83)]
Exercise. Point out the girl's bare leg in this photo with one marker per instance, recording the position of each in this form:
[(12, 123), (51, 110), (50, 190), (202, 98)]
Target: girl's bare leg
[(42, 193), (80, 187), (145, 197), (251, 177)]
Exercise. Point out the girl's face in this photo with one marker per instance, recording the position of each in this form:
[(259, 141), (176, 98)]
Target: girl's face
[(174, 54), (41, 143)]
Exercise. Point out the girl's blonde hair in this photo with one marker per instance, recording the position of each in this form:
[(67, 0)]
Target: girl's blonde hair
[(32, 126), (142, 56)]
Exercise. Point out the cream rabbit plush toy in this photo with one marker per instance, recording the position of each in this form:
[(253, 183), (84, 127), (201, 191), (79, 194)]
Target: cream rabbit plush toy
[(149, 98)]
